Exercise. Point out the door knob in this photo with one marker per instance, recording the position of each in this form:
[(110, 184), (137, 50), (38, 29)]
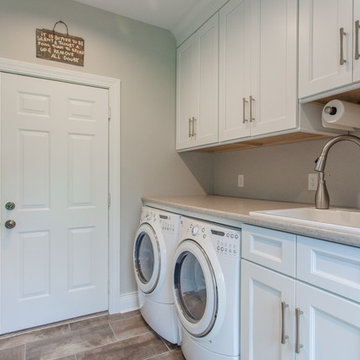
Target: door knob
[(10, 205), (10, 224)]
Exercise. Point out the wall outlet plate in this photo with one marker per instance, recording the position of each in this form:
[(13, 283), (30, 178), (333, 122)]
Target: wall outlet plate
[(240, 180), (313, 181)]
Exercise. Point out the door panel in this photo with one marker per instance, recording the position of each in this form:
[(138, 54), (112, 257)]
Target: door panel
[(34, 166), (207, 118), (320, 45), (329, 325), (234, 70), (262, 292), (55, 169), (186, 91), (274, 57)]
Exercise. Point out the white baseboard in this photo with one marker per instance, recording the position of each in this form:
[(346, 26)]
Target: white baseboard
[(129, 302)]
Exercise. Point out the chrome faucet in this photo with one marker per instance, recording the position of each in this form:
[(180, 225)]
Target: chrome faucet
[(322, 196)]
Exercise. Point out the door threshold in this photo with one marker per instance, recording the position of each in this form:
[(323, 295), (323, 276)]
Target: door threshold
[(51, 325)]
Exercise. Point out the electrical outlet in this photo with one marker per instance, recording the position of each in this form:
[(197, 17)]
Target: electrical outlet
[(312, 181), (240, 180)]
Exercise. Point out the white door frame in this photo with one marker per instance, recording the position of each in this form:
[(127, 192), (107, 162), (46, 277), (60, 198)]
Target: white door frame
[(113, 86)]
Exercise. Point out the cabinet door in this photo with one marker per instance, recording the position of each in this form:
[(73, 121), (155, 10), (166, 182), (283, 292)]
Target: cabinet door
[(262, 293), (322, 46), (356, 53), (186, 92), (207, 113), (329, 327), (234, 70), (274, 70)]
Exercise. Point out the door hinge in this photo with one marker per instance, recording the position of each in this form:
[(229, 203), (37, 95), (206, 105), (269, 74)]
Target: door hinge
[(109, 200), (109, 113)]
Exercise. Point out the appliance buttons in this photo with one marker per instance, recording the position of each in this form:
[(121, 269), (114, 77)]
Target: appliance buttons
[(195, 230)]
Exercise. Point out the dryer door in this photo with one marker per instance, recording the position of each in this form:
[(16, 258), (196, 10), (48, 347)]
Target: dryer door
[(195, 289), (147, 258)]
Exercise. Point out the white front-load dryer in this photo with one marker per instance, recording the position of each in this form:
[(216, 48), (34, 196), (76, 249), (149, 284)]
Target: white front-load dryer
[(154, 248), (206, 287)]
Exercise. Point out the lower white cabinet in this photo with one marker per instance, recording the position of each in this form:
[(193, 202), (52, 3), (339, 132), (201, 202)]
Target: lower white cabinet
[(328, 325), (267, 307), (288, 318)]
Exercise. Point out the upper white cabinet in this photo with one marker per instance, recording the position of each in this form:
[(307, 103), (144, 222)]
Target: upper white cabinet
[(258, 49), (326, 48), (235, 85), (197, 87)]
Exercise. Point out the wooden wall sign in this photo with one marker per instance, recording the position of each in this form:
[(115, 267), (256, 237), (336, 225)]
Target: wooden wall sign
[(52, 45)]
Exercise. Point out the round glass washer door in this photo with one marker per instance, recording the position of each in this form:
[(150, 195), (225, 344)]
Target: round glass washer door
[(147, 258), (195, 289)]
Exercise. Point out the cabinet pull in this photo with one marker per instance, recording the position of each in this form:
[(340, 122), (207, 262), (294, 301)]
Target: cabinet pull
[(244, 109), (342, 35), (284, 337), (251, 109), (298, 346), (193, 126), (357, 27)]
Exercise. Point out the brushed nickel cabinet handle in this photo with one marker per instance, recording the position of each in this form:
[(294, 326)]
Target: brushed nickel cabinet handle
[(193, 126), (189, 127), (342, 35), (357, 27), (252, 100), (298, 346), (244, 110), (284, 337)]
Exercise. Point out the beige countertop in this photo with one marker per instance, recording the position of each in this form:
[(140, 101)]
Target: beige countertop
[(235, 212)]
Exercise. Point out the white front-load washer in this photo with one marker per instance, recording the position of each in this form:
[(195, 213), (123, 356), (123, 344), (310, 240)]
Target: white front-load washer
[(154, 248), (206, 286)]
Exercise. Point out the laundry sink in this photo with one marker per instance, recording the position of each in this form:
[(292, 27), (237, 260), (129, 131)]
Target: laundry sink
[(345, 220)]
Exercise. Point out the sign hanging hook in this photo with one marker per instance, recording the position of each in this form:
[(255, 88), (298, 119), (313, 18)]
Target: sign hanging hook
[(61, 22)]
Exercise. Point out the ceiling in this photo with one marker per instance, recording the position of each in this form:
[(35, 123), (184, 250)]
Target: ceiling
[(166, 14)]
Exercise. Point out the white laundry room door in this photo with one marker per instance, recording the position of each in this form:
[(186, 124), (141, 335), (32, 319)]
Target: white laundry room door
[(54, 201)]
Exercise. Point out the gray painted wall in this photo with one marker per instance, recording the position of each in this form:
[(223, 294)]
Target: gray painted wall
[(143, 58), (281, 173)]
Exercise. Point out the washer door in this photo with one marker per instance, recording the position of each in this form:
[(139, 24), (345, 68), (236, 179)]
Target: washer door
[(196, 296), (147, 258)]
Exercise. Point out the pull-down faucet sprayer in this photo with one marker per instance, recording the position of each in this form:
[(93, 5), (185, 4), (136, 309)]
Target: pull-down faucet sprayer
[(322, 196)]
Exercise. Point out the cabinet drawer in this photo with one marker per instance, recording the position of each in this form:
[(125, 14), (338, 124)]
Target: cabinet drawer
[(331, 266), (270, 248)]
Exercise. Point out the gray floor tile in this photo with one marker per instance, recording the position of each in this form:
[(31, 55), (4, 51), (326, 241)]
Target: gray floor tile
[(76, 341), (135, 348), (88, 323), (33, 336), (15, 353), (126, 328), (172, 355), (122, 316)]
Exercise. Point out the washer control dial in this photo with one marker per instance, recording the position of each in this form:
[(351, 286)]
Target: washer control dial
[(195, 230)]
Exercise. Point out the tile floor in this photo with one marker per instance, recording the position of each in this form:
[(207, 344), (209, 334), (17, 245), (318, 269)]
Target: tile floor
[(104, 337)]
